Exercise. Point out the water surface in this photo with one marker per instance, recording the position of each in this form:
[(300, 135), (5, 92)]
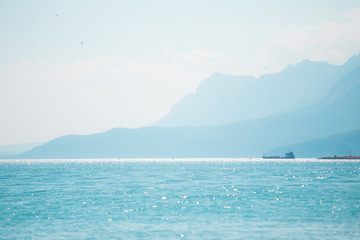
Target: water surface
[(179, 199)]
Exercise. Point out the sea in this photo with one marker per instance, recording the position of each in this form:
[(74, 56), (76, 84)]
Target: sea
[(179, 199)]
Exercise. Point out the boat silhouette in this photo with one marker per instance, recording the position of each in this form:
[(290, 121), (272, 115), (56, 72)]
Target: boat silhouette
[(288, 155)]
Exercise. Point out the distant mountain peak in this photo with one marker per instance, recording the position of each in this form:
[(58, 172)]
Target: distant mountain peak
[(349, 82), (223, 98), (353, 61), (242, 138), (305, 61)]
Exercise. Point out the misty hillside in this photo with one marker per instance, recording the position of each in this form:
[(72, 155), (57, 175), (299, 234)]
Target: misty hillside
[(344, 99), (224, 99), (17, 148), (339, 144), (337, 113)]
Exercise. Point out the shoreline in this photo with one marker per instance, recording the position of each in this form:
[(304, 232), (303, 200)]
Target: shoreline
[(170, 160)]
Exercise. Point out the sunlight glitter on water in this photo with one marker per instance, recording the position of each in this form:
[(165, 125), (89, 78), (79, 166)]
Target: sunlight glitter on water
[(179, 198), (170, 160)]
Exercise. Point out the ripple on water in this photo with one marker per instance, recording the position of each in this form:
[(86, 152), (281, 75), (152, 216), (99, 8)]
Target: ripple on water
[(186, 198)]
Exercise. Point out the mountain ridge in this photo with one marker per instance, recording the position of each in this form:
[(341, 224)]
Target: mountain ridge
[(247, 138), (223, 99), (338, 144)]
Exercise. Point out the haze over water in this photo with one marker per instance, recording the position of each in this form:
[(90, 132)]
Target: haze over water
[(180, 199)]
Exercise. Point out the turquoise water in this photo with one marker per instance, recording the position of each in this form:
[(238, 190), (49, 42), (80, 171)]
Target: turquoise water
[(184, 199)]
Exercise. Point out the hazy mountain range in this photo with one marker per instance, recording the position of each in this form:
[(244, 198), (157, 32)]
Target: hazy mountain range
[(339, 144), (17, 149), (224, 99), (252, 115)]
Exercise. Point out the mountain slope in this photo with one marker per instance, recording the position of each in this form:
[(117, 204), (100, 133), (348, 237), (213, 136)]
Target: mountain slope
[(224, 99), (339, 112), (18, 148), (343, 105), (338, 144)]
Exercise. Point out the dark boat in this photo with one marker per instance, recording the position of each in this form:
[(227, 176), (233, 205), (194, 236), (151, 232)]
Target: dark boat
[(288, 155), (342, 157)]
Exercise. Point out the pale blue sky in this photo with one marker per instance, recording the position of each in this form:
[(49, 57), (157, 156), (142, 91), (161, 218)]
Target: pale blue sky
[(141, 30), (139, 58)]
